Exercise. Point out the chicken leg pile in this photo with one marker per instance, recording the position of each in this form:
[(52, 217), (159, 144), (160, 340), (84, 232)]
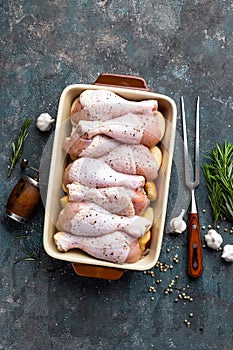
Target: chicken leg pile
[(110, 179)]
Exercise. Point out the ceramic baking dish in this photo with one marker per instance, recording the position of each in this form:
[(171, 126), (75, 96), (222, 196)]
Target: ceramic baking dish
[(132, 88)]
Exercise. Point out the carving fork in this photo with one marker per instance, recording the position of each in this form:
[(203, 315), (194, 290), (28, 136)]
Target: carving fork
[(195, 267)]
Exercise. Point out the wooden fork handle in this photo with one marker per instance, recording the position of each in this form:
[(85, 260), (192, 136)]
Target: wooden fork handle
[(195, 266)]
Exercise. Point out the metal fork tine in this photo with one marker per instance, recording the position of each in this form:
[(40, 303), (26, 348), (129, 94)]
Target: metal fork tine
[(189, 183), (197, 176), (186, 165)]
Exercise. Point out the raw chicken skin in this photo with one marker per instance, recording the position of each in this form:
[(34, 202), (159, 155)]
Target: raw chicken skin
[(88, 219), (95, 173), (134, 160), (116, 247), (117, 200), (128, 159), (130, 128), (96, 147), (74, 144), (105, 105)]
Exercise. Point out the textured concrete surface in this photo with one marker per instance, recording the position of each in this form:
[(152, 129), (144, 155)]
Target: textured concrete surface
[(180, 48)]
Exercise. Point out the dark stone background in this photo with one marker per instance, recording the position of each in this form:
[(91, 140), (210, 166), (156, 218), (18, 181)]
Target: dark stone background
[(180, 47)]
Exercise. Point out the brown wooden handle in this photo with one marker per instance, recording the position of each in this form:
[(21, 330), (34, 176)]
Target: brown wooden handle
[(195, 267), (120, 80)]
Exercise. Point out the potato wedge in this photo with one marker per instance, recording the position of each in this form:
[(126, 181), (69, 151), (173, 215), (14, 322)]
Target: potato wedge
[(63, 201), (149, 214), (74, 103), (156, 152), (73, 158), (151, 190), (144, 241), (65, 189)]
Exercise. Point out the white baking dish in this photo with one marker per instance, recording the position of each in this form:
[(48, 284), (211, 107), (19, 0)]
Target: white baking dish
[(55, 192)]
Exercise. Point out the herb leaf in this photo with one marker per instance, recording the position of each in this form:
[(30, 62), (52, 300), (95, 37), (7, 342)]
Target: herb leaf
[(30, 255), (218, 174), (17, 146)]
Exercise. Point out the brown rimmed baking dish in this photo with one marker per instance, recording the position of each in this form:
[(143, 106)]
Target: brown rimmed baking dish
[(132, 88)]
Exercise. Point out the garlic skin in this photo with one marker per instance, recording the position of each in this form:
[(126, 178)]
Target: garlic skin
[(213, 239), (44, 122), (177, 224), (228, 252)]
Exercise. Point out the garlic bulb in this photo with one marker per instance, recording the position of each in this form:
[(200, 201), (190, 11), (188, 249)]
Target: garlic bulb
[(177, 224), (228, 252), (44, 122), (213, 239)]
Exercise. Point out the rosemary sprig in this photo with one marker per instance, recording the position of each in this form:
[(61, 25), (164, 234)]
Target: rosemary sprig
[(218, 174), (17, 146), (30, 256)]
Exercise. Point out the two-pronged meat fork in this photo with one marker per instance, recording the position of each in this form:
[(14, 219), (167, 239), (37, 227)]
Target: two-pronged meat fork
[(194, 240)]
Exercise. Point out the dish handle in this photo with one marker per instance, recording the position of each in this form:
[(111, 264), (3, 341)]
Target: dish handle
[(107, 273), (127, 82), (123, 81)]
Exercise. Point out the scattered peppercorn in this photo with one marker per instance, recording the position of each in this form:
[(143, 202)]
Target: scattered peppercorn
[(188, 324)]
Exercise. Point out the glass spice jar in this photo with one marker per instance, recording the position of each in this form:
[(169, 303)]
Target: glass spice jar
[(24, 199)]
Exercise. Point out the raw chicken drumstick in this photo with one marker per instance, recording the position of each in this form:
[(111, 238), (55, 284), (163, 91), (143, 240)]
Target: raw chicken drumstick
[(130, 128), (95, 173), (117, 247), (134, 160), (96, 147), (103, 105), (117, 200), (128, 159), (88, 219)]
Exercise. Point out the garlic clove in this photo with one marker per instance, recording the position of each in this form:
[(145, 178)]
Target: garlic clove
[(177, 224), (228, 252), (213, 239), (44, 122)]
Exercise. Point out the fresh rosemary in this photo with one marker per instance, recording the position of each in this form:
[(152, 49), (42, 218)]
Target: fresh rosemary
[(30, 255), (218, 174), (17, 146)]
